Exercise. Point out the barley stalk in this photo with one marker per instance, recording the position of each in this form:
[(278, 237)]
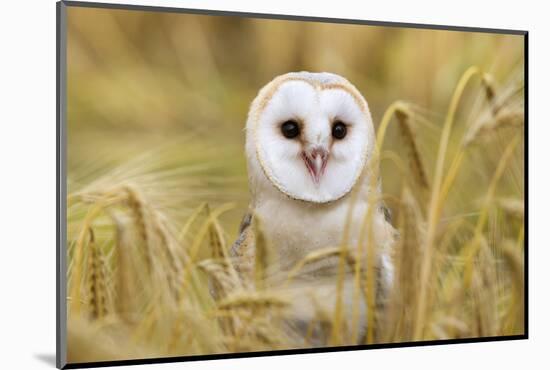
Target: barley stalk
[(436, 203), (505, 118), (96, 280), (514, 319), (126, 281), (403, 115), (471, 248), (255, 300)]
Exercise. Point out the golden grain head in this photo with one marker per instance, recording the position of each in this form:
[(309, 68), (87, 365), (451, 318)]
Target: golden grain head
[(404, 118)]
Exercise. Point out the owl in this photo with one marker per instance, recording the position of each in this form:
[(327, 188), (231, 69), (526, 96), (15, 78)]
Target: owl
[(309, 142)]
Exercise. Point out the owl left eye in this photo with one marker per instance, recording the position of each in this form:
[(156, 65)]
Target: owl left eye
[(339, 130), (290, 129)]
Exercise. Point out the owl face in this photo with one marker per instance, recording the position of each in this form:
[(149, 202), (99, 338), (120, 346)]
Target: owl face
[(311, 134)]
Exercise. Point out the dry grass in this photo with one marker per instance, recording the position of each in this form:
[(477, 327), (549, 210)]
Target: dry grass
[(141, 285)]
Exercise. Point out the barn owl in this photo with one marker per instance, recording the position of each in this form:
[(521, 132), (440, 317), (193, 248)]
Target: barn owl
[(309, 140)]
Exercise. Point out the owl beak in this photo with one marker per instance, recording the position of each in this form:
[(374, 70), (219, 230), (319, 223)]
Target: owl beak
[(316, 161)]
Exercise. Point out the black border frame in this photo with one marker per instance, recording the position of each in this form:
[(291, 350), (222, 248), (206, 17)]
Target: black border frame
[(61, 190)]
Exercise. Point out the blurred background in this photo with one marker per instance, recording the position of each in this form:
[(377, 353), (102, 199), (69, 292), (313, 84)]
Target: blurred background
[(148, 85)]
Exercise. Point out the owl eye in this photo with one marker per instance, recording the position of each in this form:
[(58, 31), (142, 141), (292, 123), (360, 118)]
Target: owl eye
[(339, 130), (290, 129)]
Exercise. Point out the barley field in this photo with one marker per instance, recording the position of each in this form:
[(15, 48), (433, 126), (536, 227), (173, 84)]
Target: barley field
[(157, 182)]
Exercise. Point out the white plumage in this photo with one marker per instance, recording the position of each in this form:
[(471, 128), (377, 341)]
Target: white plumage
[(301, 181)]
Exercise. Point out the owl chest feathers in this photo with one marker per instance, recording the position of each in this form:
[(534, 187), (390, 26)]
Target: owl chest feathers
[(297, 229)]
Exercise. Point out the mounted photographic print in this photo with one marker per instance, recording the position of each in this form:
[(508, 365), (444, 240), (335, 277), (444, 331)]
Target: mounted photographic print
[(234, 184)]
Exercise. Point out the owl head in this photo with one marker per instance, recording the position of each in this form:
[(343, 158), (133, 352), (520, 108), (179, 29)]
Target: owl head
[(309, 135)]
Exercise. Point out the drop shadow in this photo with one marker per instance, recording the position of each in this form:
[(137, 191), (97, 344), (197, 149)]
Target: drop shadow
[(47, 358)]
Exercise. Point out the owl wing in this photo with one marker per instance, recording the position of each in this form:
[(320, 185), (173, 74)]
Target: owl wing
[(242, 252)]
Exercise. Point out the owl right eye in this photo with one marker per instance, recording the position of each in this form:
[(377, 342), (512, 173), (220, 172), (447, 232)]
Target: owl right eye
[(290, 129)]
